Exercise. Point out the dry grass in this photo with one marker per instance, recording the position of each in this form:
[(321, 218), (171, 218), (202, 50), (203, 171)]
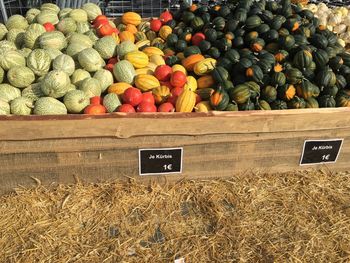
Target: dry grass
[(300, 217)]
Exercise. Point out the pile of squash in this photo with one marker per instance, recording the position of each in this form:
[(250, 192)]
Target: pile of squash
[(245, 55)]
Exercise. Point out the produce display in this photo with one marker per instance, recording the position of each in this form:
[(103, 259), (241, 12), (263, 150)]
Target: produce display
[(245, 55)]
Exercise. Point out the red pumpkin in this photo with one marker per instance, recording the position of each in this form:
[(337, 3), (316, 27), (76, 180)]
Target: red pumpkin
[(146, 107), (99, 20), (174, 94), (166, 107), (155, 25), (97, 100), (197, 38), (95, 109), (148, 97), (49, 27), (126, 108), (163, 72), (105, 30), (109, 67), (165, 17), (113, 60), (178, 79), (132, 96)]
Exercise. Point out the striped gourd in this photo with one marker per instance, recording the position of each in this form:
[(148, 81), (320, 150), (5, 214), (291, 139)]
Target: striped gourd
[(205, 66), (137, 58), (49, 106), (124, 71), (153, 51), (186, 101), (157, 59), (118, 88), (146, 82), (140, 36), (54, 40), (39, 61), (191, 83), (11, 59), (131, 18)]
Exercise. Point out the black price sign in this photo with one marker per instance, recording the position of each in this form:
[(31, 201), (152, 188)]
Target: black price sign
[(320, 151), (160, 161)]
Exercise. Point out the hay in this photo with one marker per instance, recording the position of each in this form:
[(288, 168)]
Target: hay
[(300, 217)]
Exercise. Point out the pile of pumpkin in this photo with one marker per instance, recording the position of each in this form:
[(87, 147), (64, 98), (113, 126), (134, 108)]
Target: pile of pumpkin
[(245, 55)]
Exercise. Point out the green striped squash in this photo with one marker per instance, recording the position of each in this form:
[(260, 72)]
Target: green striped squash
[(79, 75), (11, 59), (76, 101), (49, 106), (4, 108), (106, 47), (64, 63), (8, 92), (92, 10), (124, 72), (31, 36), (54, 40), (90, 60), (20, 77), (91, 87), (105, 77), (55, 84), (39, 61), (33, 92), (47, 16), (16, 21), (79, 15), (21, 106)]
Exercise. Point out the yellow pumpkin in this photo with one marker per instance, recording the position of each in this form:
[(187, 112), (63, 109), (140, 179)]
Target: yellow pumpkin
[(118, 88), (205, 81), (137, 58), (205, 66), (186, 101), (131, 28), (161, 94), (146, 82), (178, 67), (203, 106), (145, 70), (152, 66), (165, 31), (157, 59), (126, 35), (191, 83), (152, 51), (131, 18)]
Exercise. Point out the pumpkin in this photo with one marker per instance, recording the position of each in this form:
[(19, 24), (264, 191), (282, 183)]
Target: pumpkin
[(178, 79), (286, 92), (126, 36), (118, 88), (203, 106), (190, 61), (124, 71), (205, 66), (91, 87), (105, 77), (326, 101), (76, 101), (205, 81), (178, 67), (219, 99), (111, 102), (90, 60), (311, 103), (55, 84), (186, 101), (131, 18), (165, 31), (161, 94), (149, 51), (296, 103), (146, 82), (64, 63), (131, 28), (307, 90), (49, 106), (240, 94), (20, 77), (191, 83), (137, 58)]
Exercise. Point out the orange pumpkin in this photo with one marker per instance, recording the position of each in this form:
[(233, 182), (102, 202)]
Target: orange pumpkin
[(205, 81), (131, 18), (131, 28), (191, 61), (278, 67), (126, 35)]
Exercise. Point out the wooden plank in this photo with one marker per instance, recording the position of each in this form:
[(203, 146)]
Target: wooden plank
[(129, 125), (104, 158)]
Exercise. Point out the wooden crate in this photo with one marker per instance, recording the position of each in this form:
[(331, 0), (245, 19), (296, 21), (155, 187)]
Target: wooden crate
[(217, 144)]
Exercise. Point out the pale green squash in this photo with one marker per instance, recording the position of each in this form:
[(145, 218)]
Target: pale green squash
[(92, 10), (47, 16), (125, 47), (55, 84), (7, 45), (2, 73), (80, 39), (31, 15), (54, 53), (12, 58), (39, 61), (3, 31), (83, 27), (64, 12), (50, 7), (79, 15), (20, 77), (105, 77), (91, 87), (90, 60), (33, 92), (111, 102), (21, 106), (16, 36), (79, 75), (76, 101), (64, 63), (67, 25), (124, 72), (106, 47), (4, 108), (8, 92), (54, 40), (17, 21), (31, 36), (49, 106)]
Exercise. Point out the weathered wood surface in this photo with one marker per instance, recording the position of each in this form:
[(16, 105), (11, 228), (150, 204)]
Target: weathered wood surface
[(59, 149)]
